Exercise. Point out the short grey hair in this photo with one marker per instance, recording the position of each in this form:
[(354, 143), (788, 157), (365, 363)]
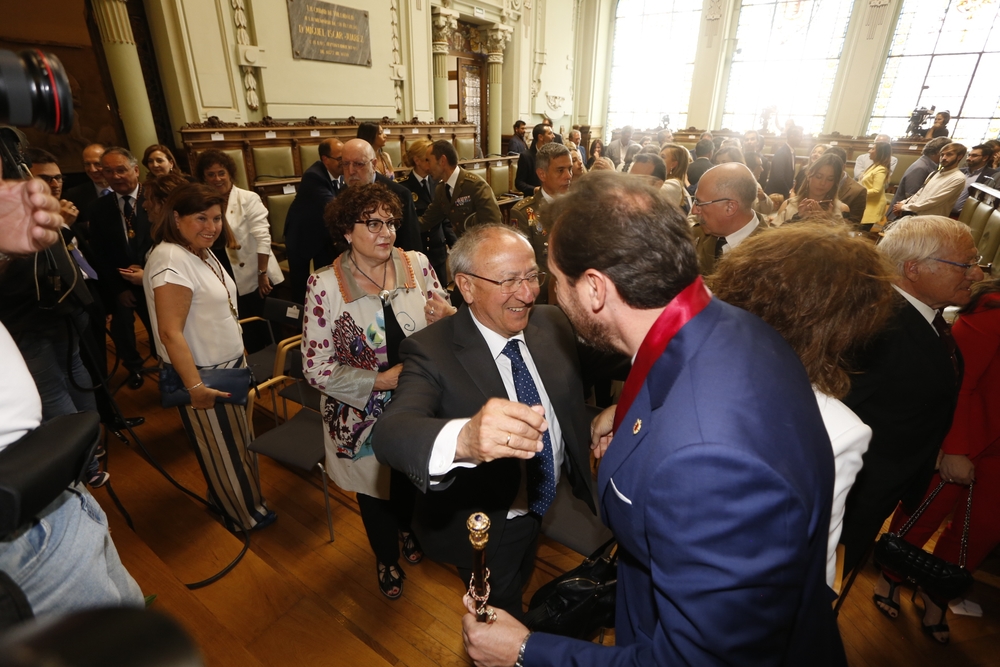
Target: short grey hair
[(920, 237), (462, 258), (548, 153), (118, 150), (934, 146)]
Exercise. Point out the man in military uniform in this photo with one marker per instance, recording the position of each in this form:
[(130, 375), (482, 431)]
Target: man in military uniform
[(554, 167), (460, 196)]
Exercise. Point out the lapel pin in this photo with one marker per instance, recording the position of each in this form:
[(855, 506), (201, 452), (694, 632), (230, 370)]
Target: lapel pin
[(637, 427)]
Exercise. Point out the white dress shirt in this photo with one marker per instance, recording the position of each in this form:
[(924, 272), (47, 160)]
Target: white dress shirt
[(442, 458), (938, 195), (740, 234)]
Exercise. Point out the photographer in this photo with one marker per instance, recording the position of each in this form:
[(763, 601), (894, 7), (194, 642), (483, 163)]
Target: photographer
[(64, 560)]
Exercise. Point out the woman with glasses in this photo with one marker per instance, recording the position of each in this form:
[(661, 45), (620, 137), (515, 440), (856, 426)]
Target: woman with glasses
[(358, 310)]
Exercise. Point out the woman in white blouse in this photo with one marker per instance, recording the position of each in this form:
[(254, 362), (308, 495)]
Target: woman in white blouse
[(195, 324), (826, 293), (255, 268)]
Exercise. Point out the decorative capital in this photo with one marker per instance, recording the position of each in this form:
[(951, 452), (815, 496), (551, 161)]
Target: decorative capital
[(479, 526), (443, 23), (497, 37), (113, 22)]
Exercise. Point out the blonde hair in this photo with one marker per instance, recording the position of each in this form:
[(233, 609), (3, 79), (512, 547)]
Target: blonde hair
[(415, 148)]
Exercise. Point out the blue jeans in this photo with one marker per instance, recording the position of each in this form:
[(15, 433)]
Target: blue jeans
[(65, 560), (51, 358)]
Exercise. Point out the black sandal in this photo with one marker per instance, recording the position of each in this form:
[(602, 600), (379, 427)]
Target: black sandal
[(411, 548), (887, 600), (390, 577), (941, 628)]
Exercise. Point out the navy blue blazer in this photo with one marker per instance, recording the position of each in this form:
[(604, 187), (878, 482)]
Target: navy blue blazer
[(718, 486), (305, 231)]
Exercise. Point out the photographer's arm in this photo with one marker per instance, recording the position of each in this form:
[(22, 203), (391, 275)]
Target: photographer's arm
[(172, 303)]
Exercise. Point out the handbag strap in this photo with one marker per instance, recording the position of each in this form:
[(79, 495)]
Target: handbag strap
[(965, 528)]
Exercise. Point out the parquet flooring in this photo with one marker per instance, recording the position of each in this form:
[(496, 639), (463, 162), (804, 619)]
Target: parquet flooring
[(297, 599)]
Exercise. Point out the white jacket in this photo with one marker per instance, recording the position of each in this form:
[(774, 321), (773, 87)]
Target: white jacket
[(247, 217)]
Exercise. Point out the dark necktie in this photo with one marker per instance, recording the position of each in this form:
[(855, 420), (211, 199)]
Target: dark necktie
[(427, 186), (447, 191), (128, 207), (541, 469), (719, 246), (944, 332)]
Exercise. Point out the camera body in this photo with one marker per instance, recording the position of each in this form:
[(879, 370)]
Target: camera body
[(916, 130)]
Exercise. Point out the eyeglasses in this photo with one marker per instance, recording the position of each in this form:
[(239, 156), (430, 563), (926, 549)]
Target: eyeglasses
[(512, 285), (355, 165), (702, 204), (49, 179), (965, 267), (374, 225)]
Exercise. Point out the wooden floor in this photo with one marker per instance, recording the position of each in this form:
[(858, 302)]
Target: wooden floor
[(296, 599)]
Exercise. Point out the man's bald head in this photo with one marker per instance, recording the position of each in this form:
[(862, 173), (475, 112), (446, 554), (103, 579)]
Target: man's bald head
[(725, 198), (733, 180), (358, 162)]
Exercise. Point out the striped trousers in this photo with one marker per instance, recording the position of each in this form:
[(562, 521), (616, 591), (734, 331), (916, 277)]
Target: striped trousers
[(220, 437)]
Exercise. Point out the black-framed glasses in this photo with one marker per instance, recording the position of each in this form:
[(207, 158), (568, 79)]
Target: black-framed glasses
[(374, 225), (512, 285), (702, 204), (965, 267), (51, 179)]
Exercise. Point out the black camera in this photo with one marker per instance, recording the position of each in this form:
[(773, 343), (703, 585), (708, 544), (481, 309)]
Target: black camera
[(34, 92), (916, 130)]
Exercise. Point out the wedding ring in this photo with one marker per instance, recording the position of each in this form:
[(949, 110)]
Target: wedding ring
[(432, 311), (507, 444)]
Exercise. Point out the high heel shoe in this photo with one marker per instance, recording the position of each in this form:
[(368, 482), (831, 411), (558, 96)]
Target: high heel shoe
[(933, 631), (891, 608)]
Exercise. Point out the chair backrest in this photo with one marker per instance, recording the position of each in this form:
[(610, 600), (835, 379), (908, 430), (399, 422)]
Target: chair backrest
[(280, 311), (989, 242), (273, 162), (308, 154), (466, 148), (970, 206), (978, 220), (500, 179), (240, 179), (395, 154), (277, 213)]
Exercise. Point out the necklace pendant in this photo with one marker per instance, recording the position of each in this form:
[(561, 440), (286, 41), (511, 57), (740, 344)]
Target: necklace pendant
[(131, 233), (384, 295)]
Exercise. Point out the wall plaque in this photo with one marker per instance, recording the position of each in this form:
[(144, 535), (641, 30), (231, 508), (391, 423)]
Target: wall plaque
[(321, 31)]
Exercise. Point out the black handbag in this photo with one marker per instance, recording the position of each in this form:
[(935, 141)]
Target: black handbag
[(234, 381), (940, 579), (37, 468), (581, 602)]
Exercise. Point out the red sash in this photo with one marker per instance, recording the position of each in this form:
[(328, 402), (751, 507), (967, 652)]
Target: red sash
[(691, 301)]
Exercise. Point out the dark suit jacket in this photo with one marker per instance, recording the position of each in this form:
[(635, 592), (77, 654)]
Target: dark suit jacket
[(854, 195), (913, 179), (408, 235), (472, 203), (526, 180), (306, 235), (705, 244), (113, 250), (782, 175), (448, 373), (697, 168), (84, 196), (906, 392), (526, 215), (437, 239), (718, 487)]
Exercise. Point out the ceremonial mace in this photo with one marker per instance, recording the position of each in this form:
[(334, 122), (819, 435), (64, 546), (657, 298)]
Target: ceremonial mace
[(479, 586)]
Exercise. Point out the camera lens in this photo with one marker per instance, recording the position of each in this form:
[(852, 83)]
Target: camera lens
[(34, 91)]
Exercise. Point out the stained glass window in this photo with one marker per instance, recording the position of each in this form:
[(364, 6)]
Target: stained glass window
[(652, 62), (944, 53), (785, 62)]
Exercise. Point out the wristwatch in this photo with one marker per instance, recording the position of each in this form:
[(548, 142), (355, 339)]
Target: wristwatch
[(520, 653), (261, 272)]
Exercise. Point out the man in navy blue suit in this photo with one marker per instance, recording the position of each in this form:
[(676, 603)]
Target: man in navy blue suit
[(719, 478), (306, 235)]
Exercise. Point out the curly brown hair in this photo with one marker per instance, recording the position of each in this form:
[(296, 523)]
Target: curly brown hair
[(210, 157), (825, 291), (355, 204)]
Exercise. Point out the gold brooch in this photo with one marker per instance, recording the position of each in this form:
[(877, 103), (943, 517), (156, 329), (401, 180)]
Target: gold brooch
[(637, 427)]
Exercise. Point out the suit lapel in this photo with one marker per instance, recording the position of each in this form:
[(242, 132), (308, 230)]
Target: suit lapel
[(472, 351)]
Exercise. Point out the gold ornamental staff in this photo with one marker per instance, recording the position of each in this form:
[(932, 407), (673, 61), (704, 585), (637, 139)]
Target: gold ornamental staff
[(479, 586)]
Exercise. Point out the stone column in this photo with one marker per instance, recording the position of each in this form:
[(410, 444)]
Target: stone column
[(126, 73), (443, 22), (497, 37)]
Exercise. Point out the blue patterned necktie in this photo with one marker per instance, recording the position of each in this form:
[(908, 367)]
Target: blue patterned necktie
[(541, 469)]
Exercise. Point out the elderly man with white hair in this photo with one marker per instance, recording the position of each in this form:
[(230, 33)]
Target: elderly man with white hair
[(908, 381)]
